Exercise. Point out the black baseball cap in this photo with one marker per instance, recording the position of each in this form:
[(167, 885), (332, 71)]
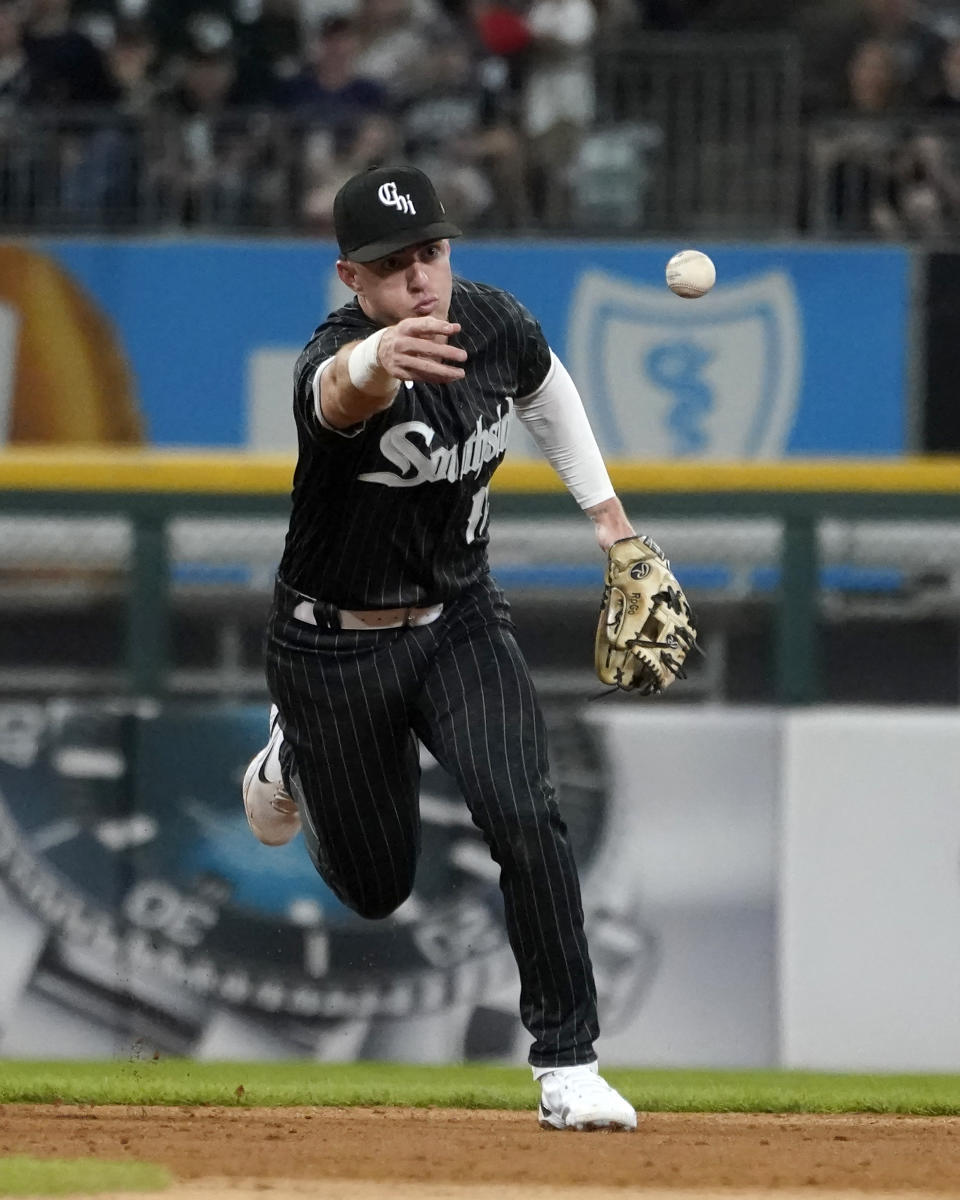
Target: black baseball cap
[(385, 209)]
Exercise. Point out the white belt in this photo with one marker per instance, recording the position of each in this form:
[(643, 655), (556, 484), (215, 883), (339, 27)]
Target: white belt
[(373, 618)]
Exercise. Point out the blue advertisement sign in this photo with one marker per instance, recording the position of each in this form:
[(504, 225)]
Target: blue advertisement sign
[(796, 351)]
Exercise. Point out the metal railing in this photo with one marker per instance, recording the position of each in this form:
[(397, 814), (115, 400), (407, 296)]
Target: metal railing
[(801, 501), (698, 134), (96, 169), (716, 121), (691, 133)]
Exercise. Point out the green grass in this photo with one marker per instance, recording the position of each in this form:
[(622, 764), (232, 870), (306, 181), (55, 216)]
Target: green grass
[(23, 1176), (178, 1081)]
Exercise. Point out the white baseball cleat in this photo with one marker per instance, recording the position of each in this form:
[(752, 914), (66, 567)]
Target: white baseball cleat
[(271, 811), (580, 1098)]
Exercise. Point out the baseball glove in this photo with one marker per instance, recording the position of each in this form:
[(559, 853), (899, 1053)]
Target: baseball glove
[(646, 628)]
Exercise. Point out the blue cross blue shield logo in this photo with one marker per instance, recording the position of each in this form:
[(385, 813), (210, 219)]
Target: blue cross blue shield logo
[(662, 377)]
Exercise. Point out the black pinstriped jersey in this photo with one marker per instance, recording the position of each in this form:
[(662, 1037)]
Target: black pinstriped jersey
[(394, 511)]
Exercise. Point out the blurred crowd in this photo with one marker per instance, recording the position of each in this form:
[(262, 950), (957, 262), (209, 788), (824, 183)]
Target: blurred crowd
[(248, 98), (885, 148), (253, 112)]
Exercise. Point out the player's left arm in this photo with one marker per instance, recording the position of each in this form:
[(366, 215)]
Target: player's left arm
[(557, 421), (610, 522)]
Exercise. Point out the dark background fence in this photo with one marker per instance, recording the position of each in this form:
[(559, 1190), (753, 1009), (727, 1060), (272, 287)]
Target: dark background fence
[(803, 575)]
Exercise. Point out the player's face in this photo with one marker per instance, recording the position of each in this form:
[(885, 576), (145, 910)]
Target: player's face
[(413, 282)]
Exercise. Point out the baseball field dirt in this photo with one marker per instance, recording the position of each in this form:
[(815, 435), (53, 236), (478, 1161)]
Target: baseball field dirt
[(219, 1153)]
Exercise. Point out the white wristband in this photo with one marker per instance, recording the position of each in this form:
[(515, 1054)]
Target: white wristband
[(365, 371)]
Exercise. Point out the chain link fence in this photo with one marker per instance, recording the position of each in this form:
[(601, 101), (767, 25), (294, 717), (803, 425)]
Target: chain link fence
[(64, 581)]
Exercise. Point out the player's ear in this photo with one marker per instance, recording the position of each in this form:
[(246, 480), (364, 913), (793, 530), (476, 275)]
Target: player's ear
[(348, 273)]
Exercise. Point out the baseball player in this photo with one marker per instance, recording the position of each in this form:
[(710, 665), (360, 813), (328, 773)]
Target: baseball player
[(387, 629)]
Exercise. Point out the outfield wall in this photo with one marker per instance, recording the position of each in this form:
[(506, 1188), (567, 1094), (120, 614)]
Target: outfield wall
[(762, 887), (800, 350)]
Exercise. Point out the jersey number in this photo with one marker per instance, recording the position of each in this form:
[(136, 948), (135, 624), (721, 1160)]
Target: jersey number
[(479, 515)]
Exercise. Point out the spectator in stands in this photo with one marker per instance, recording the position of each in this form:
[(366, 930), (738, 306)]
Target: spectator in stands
[(329, 90), (875, 85), (341, 116), (559, 100), (926, 188), (98, 25), (18, 153), (178, 23), (16, 78), (268, 39), (212, 37), (100, 186), (222, 164), (132, 61), (207, 82), (395, 41), (913, 36), (927, 166), (945, 99), (326, 169), (454, 132), (72, 86), (501, 27), (910, 32), (503, 38), (854, 156), (66, 67)]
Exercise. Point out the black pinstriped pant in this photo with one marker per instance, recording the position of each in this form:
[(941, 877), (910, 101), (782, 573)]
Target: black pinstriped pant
[(351, 703)]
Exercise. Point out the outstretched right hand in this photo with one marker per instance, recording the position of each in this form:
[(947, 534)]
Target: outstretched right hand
[(417, 348)]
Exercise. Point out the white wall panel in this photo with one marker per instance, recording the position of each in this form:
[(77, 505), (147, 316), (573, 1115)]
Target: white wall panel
[(691, 840), (870, 890)]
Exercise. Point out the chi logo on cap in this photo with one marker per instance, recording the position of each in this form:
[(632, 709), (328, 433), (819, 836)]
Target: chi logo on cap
[(389, 196)]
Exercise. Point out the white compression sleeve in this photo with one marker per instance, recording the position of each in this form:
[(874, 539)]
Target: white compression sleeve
[(555, 417)]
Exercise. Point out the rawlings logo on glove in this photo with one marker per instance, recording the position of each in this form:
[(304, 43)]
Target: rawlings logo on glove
[(646, 628)]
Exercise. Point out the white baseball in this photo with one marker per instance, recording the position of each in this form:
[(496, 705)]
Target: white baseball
[(691, 273)]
